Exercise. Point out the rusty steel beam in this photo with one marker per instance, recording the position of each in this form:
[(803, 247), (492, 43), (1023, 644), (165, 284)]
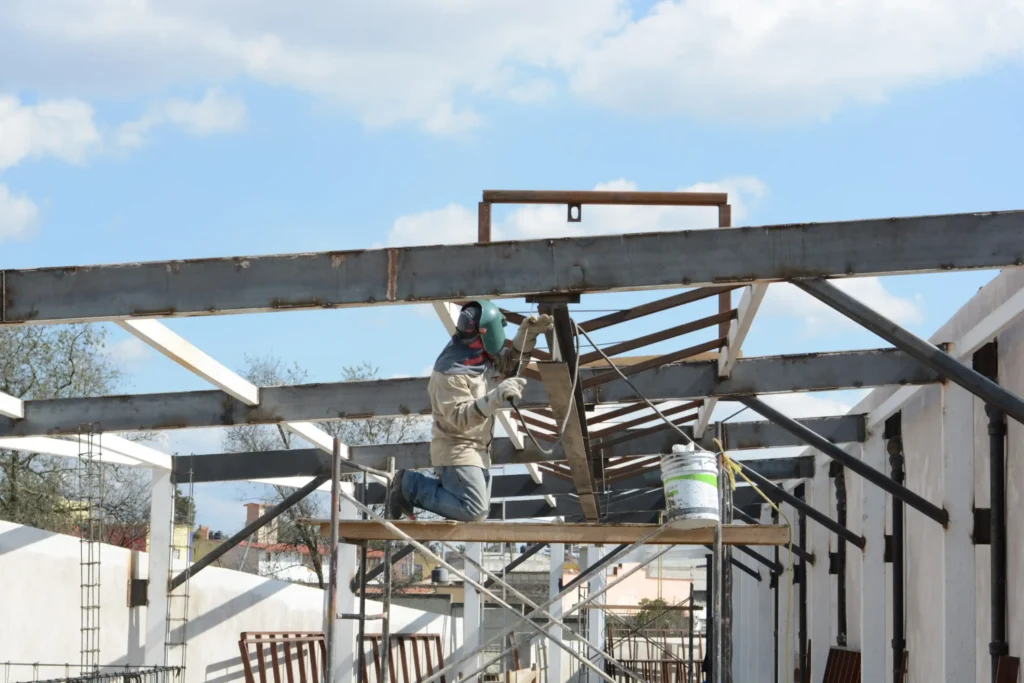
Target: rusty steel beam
[(722, 318), (606, 197), (654, 363), (567, 266)]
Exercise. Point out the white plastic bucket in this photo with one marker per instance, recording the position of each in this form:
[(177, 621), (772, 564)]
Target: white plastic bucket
[(690, 479)]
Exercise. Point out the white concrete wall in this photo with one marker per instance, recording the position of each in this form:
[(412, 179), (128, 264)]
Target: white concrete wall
[(947, 577), (39, 579)]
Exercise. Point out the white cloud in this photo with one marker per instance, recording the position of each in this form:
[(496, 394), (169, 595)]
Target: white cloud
[(190, 441), (782, 60), (215, 113), (808, 405), (429, 62), (784, 300), (456, 224), (64, 129), (131, 354), (19, 215)]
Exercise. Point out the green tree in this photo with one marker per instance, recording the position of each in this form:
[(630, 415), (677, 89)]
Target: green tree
[(270, 371), (53, 362), (658, 615)]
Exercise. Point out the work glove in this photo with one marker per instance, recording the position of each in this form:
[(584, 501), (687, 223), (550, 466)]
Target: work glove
[(529, 330), (495, 399)]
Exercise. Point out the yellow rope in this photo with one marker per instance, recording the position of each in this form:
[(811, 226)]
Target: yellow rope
[(732, 468)]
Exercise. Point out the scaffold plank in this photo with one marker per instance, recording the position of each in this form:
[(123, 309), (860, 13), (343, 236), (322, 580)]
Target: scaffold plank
[(585, 533)]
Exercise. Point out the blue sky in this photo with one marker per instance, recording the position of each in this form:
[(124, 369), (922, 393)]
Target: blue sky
[(156, 130)]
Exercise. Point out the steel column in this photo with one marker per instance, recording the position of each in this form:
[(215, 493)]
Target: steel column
[(924, 351), (998, 646), (332, 585), (894, 446), (856, 465)]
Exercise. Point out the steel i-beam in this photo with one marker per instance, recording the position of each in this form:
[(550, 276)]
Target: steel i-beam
[(926, 352), (854, 464)]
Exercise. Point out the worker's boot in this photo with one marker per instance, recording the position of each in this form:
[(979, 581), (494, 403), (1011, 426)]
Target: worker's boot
[(399, 506)]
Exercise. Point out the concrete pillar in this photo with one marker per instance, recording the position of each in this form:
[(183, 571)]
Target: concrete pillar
[(473, 611), (819, 601), (555, 653), (873, 588), (344, 651), (958, 548), (161, 514), (596, 617)]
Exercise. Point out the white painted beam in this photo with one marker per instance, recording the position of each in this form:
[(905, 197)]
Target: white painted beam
[(11, 406), (186, 354), (63, 448), (751, 300), (141, 453)]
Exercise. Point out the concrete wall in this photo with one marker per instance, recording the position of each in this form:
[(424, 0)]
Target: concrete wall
[(39, 576), (945, 443)]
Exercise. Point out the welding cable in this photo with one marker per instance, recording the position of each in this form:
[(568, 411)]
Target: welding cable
[(572, 400), (731, 468)]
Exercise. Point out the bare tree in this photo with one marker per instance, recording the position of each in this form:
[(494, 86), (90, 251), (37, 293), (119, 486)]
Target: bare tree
[(65, 361), (268, 371)]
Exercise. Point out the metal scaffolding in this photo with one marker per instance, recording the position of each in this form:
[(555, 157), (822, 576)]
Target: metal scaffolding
[(590, 431)]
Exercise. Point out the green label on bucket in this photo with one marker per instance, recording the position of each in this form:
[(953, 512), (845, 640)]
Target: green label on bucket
[(706, 478)]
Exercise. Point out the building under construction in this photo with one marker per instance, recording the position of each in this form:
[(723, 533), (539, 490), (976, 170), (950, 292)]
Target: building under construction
[(883, 550)]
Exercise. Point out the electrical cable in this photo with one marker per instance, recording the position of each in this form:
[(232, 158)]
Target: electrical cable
[(572, 400), (732, 468)]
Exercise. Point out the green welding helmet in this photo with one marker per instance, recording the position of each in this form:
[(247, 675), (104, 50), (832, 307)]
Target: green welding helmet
[(484, 320)]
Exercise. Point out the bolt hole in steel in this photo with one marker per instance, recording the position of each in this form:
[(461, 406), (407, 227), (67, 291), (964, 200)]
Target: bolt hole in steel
[(575, 213)]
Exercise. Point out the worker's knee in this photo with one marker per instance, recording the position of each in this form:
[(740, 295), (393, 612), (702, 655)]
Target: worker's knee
[(476, 511)]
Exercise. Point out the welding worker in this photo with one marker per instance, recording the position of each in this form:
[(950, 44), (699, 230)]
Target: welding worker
[(474, 377)]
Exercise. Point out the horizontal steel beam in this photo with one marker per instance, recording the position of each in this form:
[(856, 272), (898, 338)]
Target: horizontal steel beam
[(523, 486), (567, 505), (354, 400), (311, 462), (247, 284), (856, 465)]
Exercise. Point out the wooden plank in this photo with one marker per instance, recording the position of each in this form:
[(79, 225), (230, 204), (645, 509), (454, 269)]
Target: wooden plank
[(558, 384), (586, 533)]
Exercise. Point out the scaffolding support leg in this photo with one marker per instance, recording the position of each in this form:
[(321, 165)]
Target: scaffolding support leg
[(525, 618), (472, 618), (557, 564), (596, 621)]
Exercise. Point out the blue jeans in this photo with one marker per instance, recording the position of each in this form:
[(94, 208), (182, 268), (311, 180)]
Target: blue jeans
[(461, 493)]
